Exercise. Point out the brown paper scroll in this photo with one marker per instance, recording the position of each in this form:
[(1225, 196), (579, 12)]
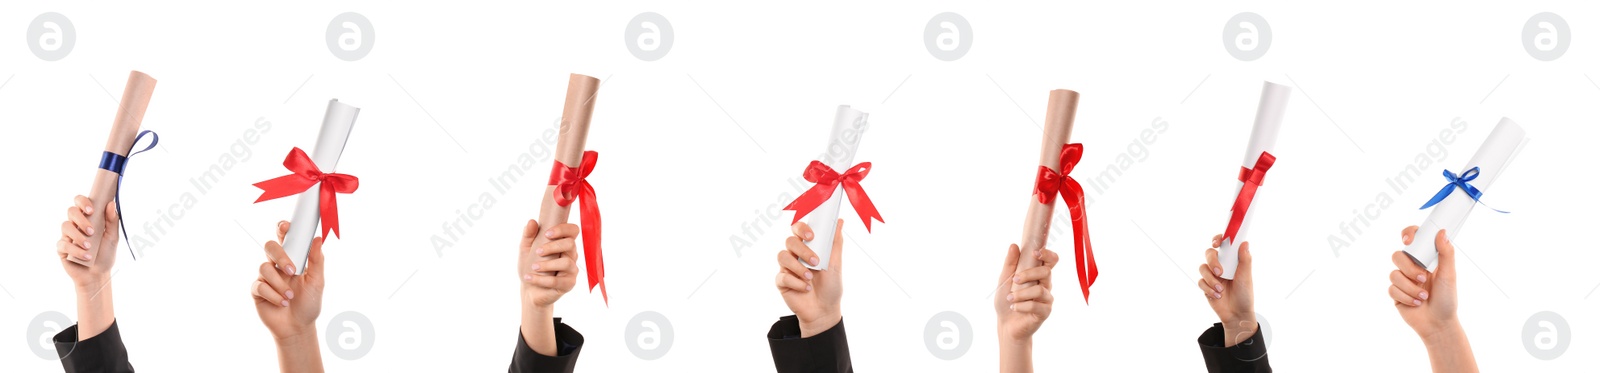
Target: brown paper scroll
[(124, 129)]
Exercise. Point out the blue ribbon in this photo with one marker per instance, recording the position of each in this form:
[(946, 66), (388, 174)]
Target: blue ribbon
[(116, 163), (1461, 183)]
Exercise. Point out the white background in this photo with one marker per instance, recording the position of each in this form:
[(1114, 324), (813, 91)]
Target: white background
[(702, 141)]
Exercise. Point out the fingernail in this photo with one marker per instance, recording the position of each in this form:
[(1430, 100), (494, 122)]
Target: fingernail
[(808, 287), (289, 294), (1038, 253), (1219, 289), (808, 275), (1009, 297), (86, 256), (1013, 307), (89, 231), (527, 277), (535, 266), (1216, 271), (809, 236), (550, 234), (538, 252), (1424, 295), (1216, 295), (1415, 302), (1422, 278), (284, 303), (1016, 279), (815, 261), (287, 270), (88, 209), (87, 244)]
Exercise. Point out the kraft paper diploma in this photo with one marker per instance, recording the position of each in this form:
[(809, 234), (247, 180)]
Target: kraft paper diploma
[(1058, 118), (124, 130)]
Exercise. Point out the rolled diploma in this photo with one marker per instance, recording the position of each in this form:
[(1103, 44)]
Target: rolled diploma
[(1491, 160), (336, 126), (124, 130), (1269, 117), (574, 131), (841, 154), (1059, 113)]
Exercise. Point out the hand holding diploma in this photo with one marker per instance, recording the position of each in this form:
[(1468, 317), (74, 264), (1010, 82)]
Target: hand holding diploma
[(548, 269), (1427, 301), (812, 294), (92, 281), (1233, 300), (1020, 311), (288, 304)]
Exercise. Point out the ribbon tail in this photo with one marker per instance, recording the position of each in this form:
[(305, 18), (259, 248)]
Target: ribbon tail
[(330, 211), (809, 200), (862, 204), (282, 186), (1083, 250), (154, 140), (1241, 204), (589, 216), (1439, 197)]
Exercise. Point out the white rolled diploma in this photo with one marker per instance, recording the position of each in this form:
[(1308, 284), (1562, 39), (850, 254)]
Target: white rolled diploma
[(1263, 136), (841, 154), (336, 126), (1450, 214), (1060, 111)]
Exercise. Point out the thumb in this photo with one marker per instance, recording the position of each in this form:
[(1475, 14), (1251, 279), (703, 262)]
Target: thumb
[(1243, 271), (113, 222), (1009, 268), (1447, 257), (314, 258), (838, 244)]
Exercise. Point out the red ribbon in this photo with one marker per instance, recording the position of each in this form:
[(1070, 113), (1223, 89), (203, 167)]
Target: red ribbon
[(1252, 178), (827, 181), (1046, 186), (303, 174), (572, 184)]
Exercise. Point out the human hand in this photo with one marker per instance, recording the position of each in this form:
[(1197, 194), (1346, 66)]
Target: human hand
[(547, 262), (75, 243), (289, 304), (1427, 301), (813, 295), (1233, 300), (1022, 310)]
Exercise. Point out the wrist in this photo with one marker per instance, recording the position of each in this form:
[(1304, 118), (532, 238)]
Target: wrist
[(1238, 328), (90, 283), (1447, 334), (302, 339), (296, 336), (820, 324)]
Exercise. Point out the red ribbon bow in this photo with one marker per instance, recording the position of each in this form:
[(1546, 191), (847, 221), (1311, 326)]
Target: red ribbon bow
[(829, 180), (1046, 186), (1252, 178), (572, 184), (304, 174)]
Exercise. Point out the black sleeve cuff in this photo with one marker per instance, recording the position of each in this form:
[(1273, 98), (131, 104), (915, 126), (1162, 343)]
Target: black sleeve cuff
[(825, 352), (568, 344), (1248, 356), (101, 353)]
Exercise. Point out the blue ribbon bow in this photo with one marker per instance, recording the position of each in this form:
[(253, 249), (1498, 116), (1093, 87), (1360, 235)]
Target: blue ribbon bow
[(1459, 182), (116, 163)]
